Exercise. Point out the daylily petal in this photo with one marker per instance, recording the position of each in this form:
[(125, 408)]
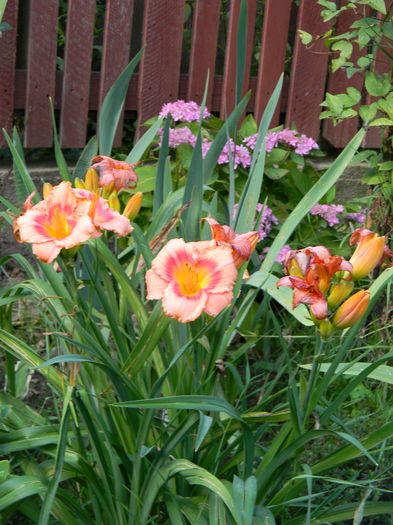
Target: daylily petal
[(46, 251), (217, 302), (220, 265), (155, 285), (180, 307)]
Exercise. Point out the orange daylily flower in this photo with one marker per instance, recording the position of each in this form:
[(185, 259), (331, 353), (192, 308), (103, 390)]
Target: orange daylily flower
[(352, 310), (242, 244), (118, 173), (368, 254)]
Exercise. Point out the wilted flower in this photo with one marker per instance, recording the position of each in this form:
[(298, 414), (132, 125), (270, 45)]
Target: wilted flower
[(183, 111), (118, 173), (328, 212), (59, 221), (368, 254), (352, 310), (192, 278), (242, 245)]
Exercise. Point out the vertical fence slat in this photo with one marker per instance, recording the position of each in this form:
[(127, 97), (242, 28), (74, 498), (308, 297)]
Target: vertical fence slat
[(229, 81), (7, 68), (160, 66), (41, 72), (273, 51), (116, 48), (203, 49), (382, 64), (342, 133), (308, 72), (77, 72)]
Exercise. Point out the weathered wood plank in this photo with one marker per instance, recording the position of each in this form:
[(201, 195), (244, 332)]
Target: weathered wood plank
[(308, 72), (203, 49), (77, 72), (41, 72), (160, 66), (7, 68), (273, 52), (116, 48), (228, 101)]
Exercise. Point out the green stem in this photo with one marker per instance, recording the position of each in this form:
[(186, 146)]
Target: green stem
[(309, 401)]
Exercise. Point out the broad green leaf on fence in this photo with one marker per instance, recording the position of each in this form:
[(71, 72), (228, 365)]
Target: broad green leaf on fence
[(112, 107), (143, 143), (219, 142), (22, 169), (84, 161), (312, 197), (60, 160), (146, 178), (3, 4), (245, 219), (194, 475), (204, 403), (20, 188), (383, 373), (282, 295)]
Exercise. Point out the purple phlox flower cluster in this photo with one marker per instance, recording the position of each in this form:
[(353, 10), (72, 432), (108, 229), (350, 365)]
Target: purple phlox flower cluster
[(328, 212), (182, 111), (240, 155), (281, 254), (267, 220), (302, 144), (359, 217), (178, 136)]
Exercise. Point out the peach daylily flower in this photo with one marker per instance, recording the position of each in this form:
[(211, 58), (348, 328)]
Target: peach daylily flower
[(192, 278), (242, 244), (368, 254), (118, 173), (60, 221), (103, 216)]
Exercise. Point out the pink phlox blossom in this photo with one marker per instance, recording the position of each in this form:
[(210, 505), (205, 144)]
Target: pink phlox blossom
[(302, 144), (359, 216), (182, 111), (178, 136), (267, 220), (328, 212), (240, 155)]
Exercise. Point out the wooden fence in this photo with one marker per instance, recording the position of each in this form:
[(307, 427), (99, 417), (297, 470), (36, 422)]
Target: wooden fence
[(77, 90)]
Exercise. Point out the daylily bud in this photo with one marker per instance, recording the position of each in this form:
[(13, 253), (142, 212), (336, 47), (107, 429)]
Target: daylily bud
[(339, 292), (325, 328), (352, 310), (133, 206), (107, 190), (114, 201), (368, 253), (91, 180), (79, 183), (46, 189)]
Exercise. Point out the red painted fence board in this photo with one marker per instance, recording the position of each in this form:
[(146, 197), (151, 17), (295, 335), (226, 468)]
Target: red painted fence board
[(203, 49), (228, 101), (7, 69), (77, 72), (41, 72), (273, 52), (160, 65), (308, 73), (116, 48)]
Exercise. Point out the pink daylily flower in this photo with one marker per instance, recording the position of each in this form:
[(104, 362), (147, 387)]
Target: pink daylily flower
[(242, 244), (191, 278), (103, 216), (60, 221), (117, 172)]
